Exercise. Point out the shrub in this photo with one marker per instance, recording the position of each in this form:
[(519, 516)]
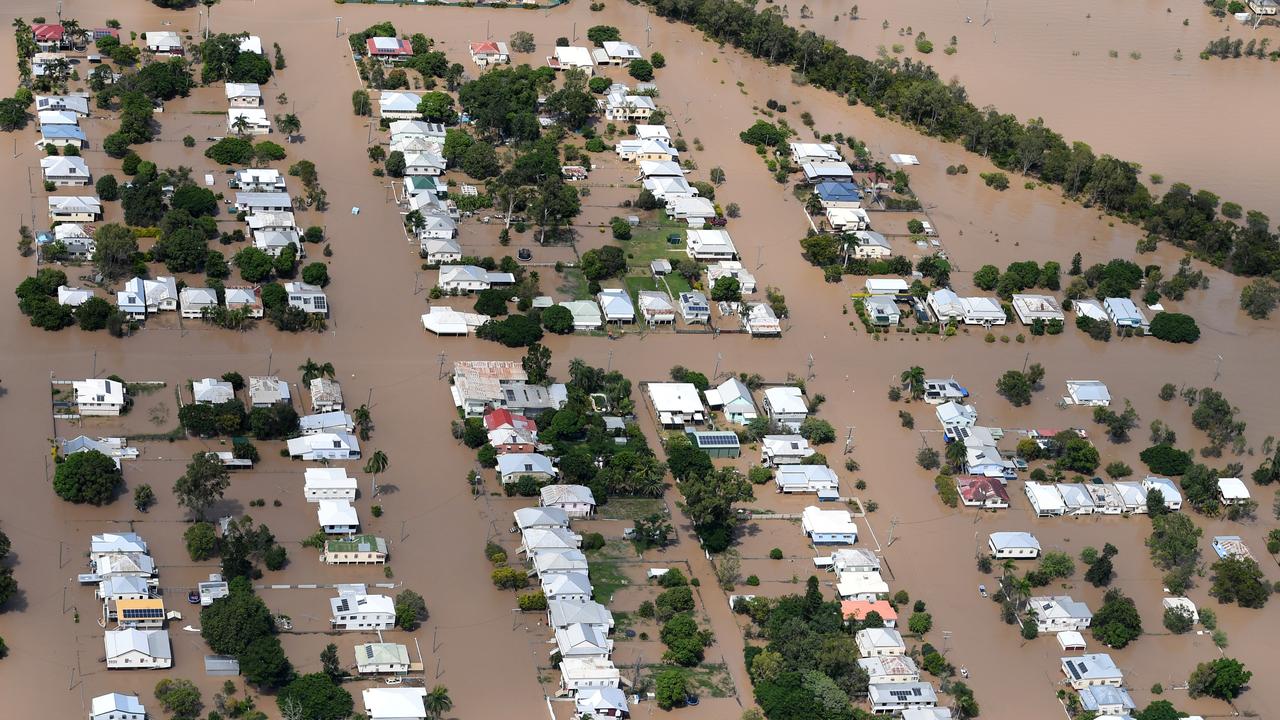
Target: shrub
[(1175, 327), (775, 554), (508, 578), (1165, 459)]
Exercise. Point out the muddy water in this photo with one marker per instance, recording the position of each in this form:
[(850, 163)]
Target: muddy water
[(437, 530), (1052, 60)]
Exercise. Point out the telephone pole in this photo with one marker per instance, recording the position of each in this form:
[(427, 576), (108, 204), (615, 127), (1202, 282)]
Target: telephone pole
[(848, 441), (893, 524), (440, 367)]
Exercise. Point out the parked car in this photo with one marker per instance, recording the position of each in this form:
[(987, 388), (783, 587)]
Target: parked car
[(524, 254), (193, 597), (982, 590)]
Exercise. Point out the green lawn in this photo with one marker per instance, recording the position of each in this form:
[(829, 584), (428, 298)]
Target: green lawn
[(629, 508), (575, 284), (649, 243), (606, 578), (707, 679)]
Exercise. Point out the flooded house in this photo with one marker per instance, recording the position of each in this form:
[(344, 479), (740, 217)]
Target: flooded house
[(328, 484), (243, 95), (489, 52), (98, 396), (397, 105), (786, 406), (307, 298), (326, 395), (890, 669), (325, 446), (1059, 613), (616, 306), (133, 649), (1015, 545), (694, 308), (817, 479), (573, 57), (116, 706), (880, 642), (388, 49), (400, 703), (513, 466), (1030, 308), (354, 550), (889, 698), (382, 658), (576, 501), (857, 610), (354, 610), (732, 398), (65, 171), (778, 450), (337, 517), (212, 391), (74, 208), (194, 301), (1091, 669), (828, 527), (676, 404)]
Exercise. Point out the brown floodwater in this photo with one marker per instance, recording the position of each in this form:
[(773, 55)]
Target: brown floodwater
[(1054, 61), (472, 643)]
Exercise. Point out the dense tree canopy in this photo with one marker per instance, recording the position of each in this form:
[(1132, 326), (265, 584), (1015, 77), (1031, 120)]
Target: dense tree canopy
[(87, 477)]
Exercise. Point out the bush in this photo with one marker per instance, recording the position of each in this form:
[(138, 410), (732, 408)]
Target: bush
[(202, 541), (593, 541), (997, 180), (1177, 620), (1175, 327), (411, 610), (532, 602), (775, 554), (670, 689), (1165, 459), (507, 578), (230, 151), (316, 273), (673, 578)]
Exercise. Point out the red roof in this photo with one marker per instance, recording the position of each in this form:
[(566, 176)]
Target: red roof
[(488, 46), (403, 47), (978, 489), (858, 609), (47, 33), (495, 419)]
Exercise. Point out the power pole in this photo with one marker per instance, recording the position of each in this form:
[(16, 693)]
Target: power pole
[(337, 31), (716, 373), (609, 366), (893, 524), (1217, 370), (440, 368), (811, 375), (848, 441)]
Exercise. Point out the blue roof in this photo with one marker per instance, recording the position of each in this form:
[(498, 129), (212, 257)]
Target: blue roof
[(62, 131), (838, 191)]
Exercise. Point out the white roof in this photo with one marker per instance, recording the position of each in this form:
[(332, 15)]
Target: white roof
[(402, 702), (675, 397), (1070, 639), (116, 702), (253, 116), (73, 297), (818, 521), (730, 394), (532, 517), (713, 241), (62, 166), (212, 390), (1091, 309), (617, 49), (117, 542), (514, 463), (660, 168), (152, 643), (651, 132), (251, 44), (1094, 666), (811, 475), (323, 441), (398, 101), (568, 612), (328, 478), (335, 513), (877, 286), (1233, 489), (615, 303), (1012, 540), (238, 90), (447, 321), (824, 151), (163, 38), (75, 204), (881, 637), (574, 56), (786, 445), (324, 420), (573, 583), (1088, 391), (98, 390), (58, 117), (566, 494), (788, 400), (953, 413), (358, 602)]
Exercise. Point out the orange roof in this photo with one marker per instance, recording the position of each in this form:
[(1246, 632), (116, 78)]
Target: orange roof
[(858, 609), (484, 47)]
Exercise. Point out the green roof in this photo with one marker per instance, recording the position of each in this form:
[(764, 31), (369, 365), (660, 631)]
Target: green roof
[(358, 543)]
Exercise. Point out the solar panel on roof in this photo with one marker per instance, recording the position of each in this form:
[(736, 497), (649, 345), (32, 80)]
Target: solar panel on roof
[(143, 613), (368, 651)]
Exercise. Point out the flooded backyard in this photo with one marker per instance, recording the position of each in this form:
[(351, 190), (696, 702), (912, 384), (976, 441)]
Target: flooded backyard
[(493, 660)]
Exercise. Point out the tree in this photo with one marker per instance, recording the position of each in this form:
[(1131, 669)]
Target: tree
[(394, 164), (230, 151), (255, 265), (603, 263), (232, 623), (312, 370), (1117, 622), (360, 103), (480, 161), (920, 623), (522, 41), (195, 200), (599, 34), (515, 331), (1057, 564), (1016, 387), (264, 663), (1165, 459), (289, 124), (1223, 678), (817, 430), (670, 688), (1257, 299), (1177, 620), (330, 663), (180, 698), (913, 379), (709, 502), (437, 107), (641, 70), (203, 484), (1241, 581), (1079, 455), (558, 319), (316, 697), (411, 610), (492, 302), (13, 114), (201, 540), (1175, 327), (377, 464), (726, 289), (316, 273), (437, 702), (537, 364), (1100, 572), (114, 249), (927, 458), (987, 277), (87, 477)]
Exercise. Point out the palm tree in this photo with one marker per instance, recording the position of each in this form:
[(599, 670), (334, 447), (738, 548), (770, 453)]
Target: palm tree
[(913, 378), (208, 6), (438, 702), (363, 421), (289, 124), (956, 455), (71, 30), (311, 370), (240, 125), (377, 463)]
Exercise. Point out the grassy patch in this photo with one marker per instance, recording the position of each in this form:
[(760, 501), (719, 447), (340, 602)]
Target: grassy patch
[(629, 508), (706, 680), (574, 284), (676, 284), (649, 243), (606, 578), (622, 622)]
